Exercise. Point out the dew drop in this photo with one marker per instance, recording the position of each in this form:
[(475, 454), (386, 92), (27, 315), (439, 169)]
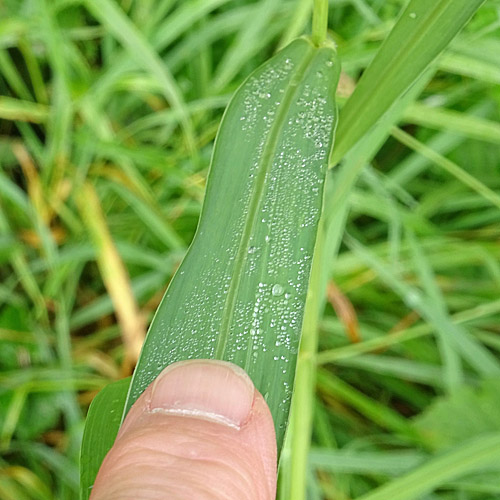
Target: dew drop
[(413, 15), (252, 249), (412, 298), (277, 290)]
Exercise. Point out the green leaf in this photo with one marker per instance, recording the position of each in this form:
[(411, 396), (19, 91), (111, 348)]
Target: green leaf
[(454, 121), (479, 59), (474, 352), (478, 408), (111, 16), (424, 29), (379, 413), (15, 109), (463, 459), (246, 43), (101, 428), (461, 174), (239, 294), (352, 461)]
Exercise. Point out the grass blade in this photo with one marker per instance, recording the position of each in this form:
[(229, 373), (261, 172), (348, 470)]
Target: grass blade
[(114, 275), (239, 294), (452, 370), (26, 111), (424, 29), (451, 167), (460, 461), (480, 358), (101, 428), (246, 43), (454, 121), (378, 413), (110, 15)]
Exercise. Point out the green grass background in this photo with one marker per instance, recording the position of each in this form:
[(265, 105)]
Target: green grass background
[(130, 101)]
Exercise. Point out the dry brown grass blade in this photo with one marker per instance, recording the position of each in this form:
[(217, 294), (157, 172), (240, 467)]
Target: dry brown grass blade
[(346, 85), (406, 322), (45, 205), (34, 186), (345, 311), (115, 276)]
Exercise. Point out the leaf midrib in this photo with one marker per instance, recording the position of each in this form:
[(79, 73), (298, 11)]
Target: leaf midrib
[(263, 168)]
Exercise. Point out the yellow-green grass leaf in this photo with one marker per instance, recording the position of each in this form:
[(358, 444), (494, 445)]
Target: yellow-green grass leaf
[(19, 110)]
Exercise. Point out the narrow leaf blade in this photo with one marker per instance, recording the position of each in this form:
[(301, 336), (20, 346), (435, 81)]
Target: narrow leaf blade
[(101, 428), (424, 29), (461, 460)]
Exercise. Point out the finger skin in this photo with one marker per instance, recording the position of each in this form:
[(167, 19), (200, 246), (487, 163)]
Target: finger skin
[(162, 455)]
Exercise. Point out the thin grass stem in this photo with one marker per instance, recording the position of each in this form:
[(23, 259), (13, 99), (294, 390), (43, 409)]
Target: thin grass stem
[(319, 22)]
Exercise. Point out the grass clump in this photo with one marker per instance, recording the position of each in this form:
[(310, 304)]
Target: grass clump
[(127, 97)]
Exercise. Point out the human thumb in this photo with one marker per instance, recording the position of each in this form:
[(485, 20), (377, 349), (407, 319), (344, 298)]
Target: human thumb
[(200, 431)]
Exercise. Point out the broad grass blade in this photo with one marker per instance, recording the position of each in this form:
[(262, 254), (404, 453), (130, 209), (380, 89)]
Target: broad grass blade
[(239, 294), (424, 29), (101, 428)]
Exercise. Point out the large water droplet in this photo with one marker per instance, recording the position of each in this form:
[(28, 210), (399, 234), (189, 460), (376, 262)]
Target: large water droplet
[(278, 290)]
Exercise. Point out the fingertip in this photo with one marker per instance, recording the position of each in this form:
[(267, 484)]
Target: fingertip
[(197, 415)]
